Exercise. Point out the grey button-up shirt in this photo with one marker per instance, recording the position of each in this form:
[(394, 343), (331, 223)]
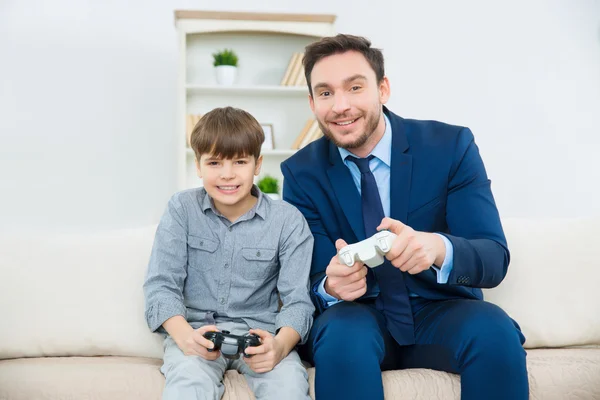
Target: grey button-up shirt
[(203, 267)]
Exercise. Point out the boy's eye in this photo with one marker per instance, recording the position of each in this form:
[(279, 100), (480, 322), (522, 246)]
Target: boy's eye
[(241, 162), (212, 163)]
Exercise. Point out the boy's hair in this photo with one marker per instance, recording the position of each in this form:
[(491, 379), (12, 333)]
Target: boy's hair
[(338, 44), (227, 132)]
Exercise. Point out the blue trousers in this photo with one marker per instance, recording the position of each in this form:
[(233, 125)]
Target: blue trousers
[(349, 345)]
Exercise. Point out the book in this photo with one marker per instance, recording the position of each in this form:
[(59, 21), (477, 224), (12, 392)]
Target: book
[(303, 133), (190, 122), (296, 70), (288, 71), (300, 78), (313, 134)]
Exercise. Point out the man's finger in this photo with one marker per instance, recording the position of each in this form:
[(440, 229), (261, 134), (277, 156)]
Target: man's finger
[(340, 243), (356, 293), (391, 225), (338, 269), (400, 244), (409, 264)]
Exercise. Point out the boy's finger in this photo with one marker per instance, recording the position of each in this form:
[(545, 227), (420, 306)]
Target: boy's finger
[(207, 328), (261, 333), (256, 349)]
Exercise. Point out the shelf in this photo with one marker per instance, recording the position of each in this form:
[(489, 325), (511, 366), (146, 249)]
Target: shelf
[(266, 153), (248, 90)]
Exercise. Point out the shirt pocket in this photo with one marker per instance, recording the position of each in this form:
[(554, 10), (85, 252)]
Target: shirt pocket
[(257, 263), (202, 252)]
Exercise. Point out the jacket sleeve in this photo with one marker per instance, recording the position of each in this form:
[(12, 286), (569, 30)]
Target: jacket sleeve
[(324, 248), (481, 255)]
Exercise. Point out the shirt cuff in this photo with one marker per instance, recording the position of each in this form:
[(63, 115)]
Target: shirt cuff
[(444, 271), (329, 300)]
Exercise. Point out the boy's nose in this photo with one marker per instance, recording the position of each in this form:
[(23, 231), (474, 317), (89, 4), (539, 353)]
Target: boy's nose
[(227, 173)]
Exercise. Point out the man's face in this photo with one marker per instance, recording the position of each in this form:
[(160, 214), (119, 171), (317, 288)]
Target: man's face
[(347, 100), (228, 181)]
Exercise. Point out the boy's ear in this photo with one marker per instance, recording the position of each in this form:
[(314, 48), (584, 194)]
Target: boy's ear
[(258, 165), (198, 169)]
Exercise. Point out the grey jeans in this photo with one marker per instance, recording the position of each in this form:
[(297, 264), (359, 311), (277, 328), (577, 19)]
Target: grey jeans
[(193, 377)]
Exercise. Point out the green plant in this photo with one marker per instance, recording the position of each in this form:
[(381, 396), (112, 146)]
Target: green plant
[(268, 184), (225, 57)]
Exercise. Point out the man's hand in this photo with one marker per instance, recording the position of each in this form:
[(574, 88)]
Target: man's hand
[(193, 343), (343, 282), (413, 251), (266, 356)]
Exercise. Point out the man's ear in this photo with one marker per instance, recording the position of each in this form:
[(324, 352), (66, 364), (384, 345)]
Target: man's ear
[(384, 90), (198, 169), (258, 165)]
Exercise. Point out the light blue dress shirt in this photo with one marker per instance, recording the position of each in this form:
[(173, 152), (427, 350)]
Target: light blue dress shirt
[(380, 166)]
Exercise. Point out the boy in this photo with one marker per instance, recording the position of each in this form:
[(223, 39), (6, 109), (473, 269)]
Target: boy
[(221, 256)]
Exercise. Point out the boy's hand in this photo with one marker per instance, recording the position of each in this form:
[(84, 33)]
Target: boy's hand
[(266, 356), (193, 343)]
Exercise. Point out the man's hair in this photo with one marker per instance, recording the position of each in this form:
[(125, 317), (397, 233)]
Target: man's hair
[(338, 44), (227, 132)]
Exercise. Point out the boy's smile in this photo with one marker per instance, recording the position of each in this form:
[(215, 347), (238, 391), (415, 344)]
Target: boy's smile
[(229, 182)]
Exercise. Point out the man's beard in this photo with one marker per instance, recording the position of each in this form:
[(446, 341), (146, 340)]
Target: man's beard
[(370, 127)]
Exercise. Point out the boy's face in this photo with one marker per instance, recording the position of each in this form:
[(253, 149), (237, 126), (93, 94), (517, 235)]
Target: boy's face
[(229, 181), (347, 100)]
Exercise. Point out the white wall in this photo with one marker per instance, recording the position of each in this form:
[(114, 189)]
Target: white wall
[(87, 99)]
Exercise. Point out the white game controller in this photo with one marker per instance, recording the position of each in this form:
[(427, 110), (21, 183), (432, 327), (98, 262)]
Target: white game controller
[(370, 251)]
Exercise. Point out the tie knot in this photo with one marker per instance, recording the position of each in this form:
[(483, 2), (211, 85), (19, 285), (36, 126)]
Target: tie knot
[(361, 163)]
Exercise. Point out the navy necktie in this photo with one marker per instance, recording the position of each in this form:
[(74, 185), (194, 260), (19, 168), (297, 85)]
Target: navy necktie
[(393, 296)]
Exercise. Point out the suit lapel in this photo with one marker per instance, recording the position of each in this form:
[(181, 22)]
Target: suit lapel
[(401, 170), (345, 191)]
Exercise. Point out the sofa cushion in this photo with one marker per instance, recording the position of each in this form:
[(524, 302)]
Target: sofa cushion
[(75, 294), (553, 374), (552, 286)]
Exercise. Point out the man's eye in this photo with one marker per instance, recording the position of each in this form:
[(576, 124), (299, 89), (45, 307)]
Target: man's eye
[(325, 93), (355, 88)]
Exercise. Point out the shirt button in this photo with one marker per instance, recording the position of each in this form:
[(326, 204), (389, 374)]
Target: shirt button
[(258, 254), (226, 266), (222, 300)]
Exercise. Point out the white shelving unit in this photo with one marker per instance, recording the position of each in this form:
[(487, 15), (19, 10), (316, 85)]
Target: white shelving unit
[(264, 44)]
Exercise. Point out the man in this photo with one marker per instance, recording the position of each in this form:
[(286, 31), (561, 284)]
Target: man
[(424, 181)]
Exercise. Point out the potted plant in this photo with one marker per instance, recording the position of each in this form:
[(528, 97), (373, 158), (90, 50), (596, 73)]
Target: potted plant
[(225, 63), (269, 186)]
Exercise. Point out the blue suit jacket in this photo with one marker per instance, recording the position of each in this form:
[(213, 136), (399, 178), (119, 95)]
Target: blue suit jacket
[(438, 184)]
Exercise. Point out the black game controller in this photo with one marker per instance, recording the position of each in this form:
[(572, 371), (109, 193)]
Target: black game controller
[(232, 345)]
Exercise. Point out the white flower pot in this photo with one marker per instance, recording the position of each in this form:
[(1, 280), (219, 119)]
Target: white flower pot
[(226, 74), (274, 196)]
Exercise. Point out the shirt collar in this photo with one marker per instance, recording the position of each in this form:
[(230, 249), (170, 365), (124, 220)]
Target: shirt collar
[(383, 149), (260, 208)]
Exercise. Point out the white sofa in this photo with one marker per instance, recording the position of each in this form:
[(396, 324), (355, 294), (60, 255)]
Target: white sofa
[(72, 320)]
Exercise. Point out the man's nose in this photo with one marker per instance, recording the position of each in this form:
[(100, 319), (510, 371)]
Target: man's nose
[(340, 104)]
